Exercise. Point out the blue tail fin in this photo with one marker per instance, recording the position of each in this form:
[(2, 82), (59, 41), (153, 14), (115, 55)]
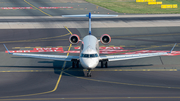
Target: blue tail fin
[(89, 23)]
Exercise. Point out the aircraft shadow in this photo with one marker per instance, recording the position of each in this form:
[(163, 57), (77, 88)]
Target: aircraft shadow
[(69, 71), (122, 66), (57, 66)]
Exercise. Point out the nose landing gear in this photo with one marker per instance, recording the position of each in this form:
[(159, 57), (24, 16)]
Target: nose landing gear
[(89, 73)]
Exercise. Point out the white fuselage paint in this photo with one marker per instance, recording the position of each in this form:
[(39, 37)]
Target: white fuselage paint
[(90, 45)]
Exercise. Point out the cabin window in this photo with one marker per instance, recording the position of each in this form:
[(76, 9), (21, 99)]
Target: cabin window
[(92, 55), (96, 55), (86, 55)]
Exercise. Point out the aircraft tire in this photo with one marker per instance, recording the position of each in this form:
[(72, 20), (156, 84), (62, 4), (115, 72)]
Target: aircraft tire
[(106, 64), (73, 64), (77, 64), (101, 64)]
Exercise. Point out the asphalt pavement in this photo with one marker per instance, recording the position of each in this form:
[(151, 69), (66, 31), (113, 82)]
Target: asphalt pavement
[(21, 78)]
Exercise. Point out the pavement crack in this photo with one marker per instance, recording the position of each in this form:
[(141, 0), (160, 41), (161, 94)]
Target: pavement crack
[(161, 60)]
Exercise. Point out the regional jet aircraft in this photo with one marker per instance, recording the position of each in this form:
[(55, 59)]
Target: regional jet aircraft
[(89, 54)]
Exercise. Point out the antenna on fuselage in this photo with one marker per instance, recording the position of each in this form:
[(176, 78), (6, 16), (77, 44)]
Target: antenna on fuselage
[(89, 16)]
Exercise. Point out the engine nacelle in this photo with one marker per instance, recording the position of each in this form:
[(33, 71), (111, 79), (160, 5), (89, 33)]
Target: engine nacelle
[(105, 39), (74, 39)]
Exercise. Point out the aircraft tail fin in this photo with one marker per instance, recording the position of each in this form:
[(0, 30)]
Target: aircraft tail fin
[(90, 16)]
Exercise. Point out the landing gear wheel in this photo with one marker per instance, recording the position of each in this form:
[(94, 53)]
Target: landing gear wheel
[(106, 64), (77, 64), (73, 64), (89, 73), (101, 64)]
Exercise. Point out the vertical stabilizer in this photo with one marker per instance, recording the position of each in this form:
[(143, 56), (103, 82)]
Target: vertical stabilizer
[(90, 15), (89, 23)]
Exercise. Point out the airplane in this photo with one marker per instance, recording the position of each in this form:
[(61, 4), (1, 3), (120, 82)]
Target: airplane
[(89, 56)]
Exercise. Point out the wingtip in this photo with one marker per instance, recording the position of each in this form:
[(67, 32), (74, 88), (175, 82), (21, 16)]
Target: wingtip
[(7, 49), (172, 48)]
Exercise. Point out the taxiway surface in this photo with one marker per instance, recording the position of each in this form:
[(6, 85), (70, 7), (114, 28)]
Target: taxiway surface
[(67, 7), (36, 79), (155, 78)]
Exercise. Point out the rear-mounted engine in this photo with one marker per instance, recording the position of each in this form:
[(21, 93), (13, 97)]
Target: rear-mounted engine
[(74, 39), (105, 39)]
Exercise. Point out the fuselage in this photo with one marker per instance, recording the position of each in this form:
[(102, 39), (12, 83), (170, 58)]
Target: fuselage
[(89, 55)]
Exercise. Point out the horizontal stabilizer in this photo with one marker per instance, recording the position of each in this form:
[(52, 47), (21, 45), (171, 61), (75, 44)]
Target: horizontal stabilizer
[(92, 15)]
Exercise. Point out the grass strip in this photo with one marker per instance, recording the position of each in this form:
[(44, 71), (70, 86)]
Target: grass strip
[(130, 6)]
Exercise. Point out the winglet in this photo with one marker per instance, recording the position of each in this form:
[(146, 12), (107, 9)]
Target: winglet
[(172, 48), (7, 49)]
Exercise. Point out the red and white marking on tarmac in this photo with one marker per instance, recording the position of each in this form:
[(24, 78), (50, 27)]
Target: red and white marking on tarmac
[(103, 50), (53, 7), (173, 53), (54, 48), (33, 51), (16, 8)]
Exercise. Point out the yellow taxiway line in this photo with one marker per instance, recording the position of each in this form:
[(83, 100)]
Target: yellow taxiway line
[(38, 9), (57, 83)]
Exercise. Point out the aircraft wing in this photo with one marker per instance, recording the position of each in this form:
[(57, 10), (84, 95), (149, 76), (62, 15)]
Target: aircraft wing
[(51, 57), (44, 56), (133, 56)]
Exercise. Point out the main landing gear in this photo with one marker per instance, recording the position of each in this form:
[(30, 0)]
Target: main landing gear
[(89, 73), (75, 63), (104, 63)]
